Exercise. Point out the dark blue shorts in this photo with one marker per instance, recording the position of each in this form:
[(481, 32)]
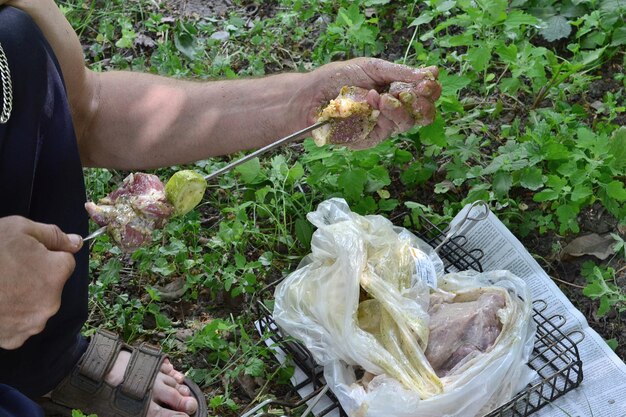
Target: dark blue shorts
[(15, 404), (41, 179)]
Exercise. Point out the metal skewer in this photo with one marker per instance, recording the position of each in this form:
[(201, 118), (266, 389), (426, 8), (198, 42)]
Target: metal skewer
[(264, 149), (95, 234), (238, 162)]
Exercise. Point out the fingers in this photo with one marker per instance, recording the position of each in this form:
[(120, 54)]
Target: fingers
[(394, 110), (53, 238)]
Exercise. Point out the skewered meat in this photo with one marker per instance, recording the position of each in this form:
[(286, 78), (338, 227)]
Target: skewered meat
[(351, 118), (133, 211), (461, 328)]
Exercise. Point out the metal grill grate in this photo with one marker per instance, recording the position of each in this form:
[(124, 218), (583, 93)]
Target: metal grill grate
[(555, 356)]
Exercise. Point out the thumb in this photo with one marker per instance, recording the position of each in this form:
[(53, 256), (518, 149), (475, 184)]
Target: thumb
[(55, 239)]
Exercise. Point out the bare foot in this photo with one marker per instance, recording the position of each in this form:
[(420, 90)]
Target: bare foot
[(170, 397)]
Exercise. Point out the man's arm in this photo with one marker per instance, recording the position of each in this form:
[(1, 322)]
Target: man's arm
[(138, 121)]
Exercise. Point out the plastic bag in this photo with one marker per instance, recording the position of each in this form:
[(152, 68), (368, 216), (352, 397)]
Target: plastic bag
[(360, 303)]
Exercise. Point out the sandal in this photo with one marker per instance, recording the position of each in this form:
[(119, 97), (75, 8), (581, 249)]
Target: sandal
[(85, 389)]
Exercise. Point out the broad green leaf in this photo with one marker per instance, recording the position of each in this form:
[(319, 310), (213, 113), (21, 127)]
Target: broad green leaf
[(254, 367), (502, 182), (280, 169), (352, 183), (556, 27), (463, 39), (479, 57), (185, 43), (377, 178), (595, 289), (617, 148), (496, 9), (249, 170), (401, 156), (556, 182), (451, 84), (613, 344), (517, 18), (581, 192), (546, 195), (388, 205), (422, 19), (531, 178), (590, 57), (613, 6), (510, 85), (508, 54), (416, 174), (446, 5), (262, 193), (586, 138), (604, 307), (619, 36), (566, 213), (365, 205), (615, 189), (567, 168), (295, 173), (434, 133), (555, 151), (110, 272)]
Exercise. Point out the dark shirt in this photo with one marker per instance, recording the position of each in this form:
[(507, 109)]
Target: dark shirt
[(41, 179)]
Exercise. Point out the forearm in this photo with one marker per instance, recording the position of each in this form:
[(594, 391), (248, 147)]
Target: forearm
[(145, 121)]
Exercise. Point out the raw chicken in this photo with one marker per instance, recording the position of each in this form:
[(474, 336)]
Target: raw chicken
[(351, 118), (133, 211), (461, 327)]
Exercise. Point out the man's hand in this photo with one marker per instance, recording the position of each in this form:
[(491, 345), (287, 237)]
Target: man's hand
[(36, 260), (376, 75)]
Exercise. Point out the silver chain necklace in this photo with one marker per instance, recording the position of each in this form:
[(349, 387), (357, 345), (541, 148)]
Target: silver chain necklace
[(7, 88)]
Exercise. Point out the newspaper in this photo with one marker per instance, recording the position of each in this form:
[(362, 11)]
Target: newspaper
[(602, 392)]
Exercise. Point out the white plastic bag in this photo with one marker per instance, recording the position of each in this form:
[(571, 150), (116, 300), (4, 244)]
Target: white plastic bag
[(360, 302)]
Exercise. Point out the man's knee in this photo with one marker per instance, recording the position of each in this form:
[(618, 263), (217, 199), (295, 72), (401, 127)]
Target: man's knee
[(15, 404), (23, 43)]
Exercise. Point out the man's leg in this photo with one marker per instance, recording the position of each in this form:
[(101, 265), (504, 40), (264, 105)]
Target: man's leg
[(15, 404), (41, 178)]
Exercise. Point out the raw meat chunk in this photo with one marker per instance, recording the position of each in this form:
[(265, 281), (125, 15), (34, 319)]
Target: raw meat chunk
[(461, 328), (351, 118), (133, 211)]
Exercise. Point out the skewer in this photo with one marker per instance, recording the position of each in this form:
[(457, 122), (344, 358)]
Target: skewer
[(264, 149)]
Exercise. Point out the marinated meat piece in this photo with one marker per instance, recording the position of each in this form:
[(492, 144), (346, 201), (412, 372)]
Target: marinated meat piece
[(133, 211), (351, 118), (458, 329)]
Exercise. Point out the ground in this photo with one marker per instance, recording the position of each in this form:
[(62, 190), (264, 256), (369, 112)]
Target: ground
[(547, 247)]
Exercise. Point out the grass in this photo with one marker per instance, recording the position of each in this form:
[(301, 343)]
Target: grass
[(529, 121)]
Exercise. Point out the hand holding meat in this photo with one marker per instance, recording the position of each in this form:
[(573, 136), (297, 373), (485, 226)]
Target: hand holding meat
[(36, 260), (376, 100)]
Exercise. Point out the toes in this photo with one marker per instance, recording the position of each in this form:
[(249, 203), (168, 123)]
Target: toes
[(168, 369), (155, 410), (166, 366), (184, 390), (172, 396)]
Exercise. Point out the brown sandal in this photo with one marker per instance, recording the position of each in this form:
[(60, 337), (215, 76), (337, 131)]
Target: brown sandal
[(85, 389)]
